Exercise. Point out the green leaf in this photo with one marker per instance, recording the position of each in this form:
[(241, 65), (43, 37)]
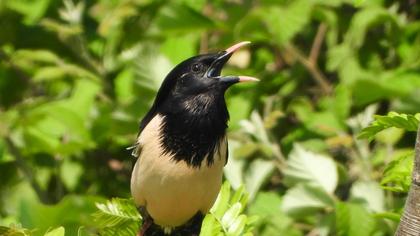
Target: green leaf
[(71, 212), (239, 108), (70, 173), (285, 22), (231, 214), (323, 123), (366, 18), (225, 217), (272, 220), (181, 17), (358, 3), (304, 166), (117, 217), (397, 174), (179, 48), (266, 203), (210, 226), (389, 215), (48, 73), (14, 231), (83, 97), (304, 199), (153, 67), (403, 121), (353, 220), (60, 231), (392, 84), (342, 103), (124, 83), (123, 229), (222, 201), (116, 212), (44, 56), (237, 226), (32, 10), (370, 193), (257, 174)]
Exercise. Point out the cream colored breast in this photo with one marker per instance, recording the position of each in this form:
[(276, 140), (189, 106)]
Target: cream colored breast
[(173, 192)]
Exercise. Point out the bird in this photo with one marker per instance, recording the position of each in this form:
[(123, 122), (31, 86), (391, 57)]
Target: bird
[(182, 147)]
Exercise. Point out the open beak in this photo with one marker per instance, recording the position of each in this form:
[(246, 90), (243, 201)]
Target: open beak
[(217, 66)]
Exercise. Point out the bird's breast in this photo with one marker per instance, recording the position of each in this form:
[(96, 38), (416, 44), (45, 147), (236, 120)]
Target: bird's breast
[(171, 190)]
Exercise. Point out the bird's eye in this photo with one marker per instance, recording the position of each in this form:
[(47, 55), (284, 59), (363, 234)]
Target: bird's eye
[(197, 67)]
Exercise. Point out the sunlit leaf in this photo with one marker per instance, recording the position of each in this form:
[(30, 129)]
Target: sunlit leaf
[(285, 22), (226, 216), (32, 10), (404, 121), (303, 199), (14, 231), (397, 174), (116, 212), (257, 173), (181, 17), (353, 219), (60, 231), (370, 193), (304, 166)]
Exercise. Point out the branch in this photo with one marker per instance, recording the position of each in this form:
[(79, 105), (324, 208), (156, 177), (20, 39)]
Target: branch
[(26, 170), (313, 69), (310, 63), (410, 219), (316, 46)]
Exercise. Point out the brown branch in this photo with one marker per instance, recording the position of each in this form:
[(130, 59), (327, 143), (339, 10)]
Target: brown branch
[(312, 68), (410, 219), (310, 62), (26, 170), (316, 46)]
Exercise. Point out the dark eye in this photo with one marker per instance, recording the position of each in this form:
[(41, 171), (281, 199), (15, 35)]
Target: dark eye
[(197, 67)]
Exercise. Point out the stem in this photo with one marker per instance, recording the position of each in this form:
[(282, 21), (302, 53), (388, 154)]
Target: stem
[(410, 219), (312, 68), (310, 63), (316, 46), (26, 170)]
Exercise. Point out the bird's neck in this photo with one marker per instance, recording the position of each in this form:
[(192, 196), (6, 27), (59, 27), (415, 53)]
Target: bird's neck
[(193, 128)]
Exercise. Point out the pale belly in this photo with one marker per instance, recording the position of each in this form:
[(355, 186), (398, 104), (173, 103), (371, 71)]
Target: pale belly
[(173, 192)]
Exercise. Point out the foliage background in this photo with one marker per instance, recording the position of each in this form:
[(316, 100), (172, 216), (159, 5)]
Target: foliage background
[(77, 76)]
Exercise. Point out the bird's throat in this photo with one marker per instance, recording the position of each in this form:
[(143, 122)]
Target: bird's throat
[(193, 130)]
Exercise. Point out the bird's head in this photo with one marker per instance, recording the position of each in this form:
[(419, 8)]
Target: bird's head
[(192, 105), (197, 81)]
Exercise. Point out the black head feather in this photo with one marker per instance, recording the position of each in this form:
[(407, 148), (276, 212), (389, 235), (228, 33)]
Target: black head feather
[(191, 102)]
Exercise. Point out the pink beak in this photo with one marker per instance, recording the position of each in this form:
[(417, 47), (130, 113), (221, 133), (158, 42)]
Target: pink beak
[(233, 49)]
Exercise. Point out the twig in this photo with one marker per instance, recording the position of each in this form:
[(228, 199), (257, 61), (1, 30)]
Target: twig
[(310, 63), (316, 46), (312, 68), (26, 170)]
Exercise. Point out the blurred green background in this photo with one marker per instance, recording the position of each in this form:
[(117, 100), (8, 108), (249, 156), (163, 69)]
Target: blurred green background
[(76, 77)]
